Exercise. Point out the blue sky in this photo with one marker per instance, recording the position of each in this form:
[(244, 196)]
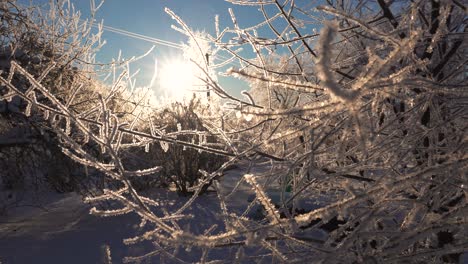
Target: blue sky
[(149, 18)]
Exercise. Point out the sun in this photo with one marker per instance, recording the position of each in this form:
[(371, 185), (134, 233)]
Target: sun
[(177, 79)]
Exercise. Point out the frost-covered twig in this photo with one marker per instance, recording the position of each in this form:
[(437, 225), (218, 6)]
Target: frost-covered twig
[(324, 65)]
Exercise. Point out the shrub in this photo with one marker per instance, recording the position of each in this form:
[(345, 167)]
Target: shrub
[(381, 140), (182, 165), (45, 44)]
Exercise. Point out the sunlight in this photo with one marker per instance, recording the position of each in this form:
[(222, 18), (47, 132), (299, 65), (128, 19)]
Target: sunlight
[(177, 79)]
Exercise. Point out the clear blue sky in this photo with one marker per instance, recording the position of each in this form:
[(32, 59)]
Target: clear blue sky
[(147, 17)]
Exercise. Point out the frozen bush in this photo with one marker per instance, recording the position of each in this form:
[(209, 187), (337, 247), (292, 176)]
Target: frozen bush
[(32, 158), (182, 165), (378, 144)]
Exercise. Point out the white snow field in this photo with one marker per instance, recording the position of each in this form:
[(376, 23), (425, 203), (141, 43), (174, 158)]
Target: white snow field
[(59, 228)]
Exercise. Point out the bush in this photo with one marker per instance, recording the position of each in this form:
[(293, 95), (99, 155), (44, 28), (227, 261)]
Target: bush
[(379, 143), (182, 165), (31, 155)]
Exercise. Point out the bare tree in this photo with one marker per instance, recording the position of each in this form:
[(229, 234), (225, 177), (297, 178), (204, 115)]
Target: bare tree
[(377, 141), (58, 49)]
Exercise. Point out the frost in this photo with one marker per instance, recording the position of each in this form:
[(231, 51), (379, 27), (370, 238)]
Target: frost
[(273, 214), (324, 64), (46, 114), (164, 146), (27, 112), (347, 146)]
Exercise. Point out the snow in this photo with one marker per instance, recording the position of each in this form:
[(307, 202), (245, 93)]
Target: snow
[(65, 233), (61, 230)]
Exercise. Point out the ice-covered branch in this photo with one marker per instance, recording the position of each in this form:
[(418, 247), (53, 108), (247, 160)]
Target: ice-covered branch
[(324, 65)]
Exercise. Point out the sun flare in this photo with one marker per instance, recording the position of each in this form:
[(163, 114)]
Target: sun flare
[(177, 79)]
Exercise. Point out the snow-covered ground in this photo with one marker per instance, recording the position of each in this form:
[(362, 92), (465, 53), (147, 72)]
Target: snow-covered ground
[(59, 229), (65, 233), (62, 231)]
